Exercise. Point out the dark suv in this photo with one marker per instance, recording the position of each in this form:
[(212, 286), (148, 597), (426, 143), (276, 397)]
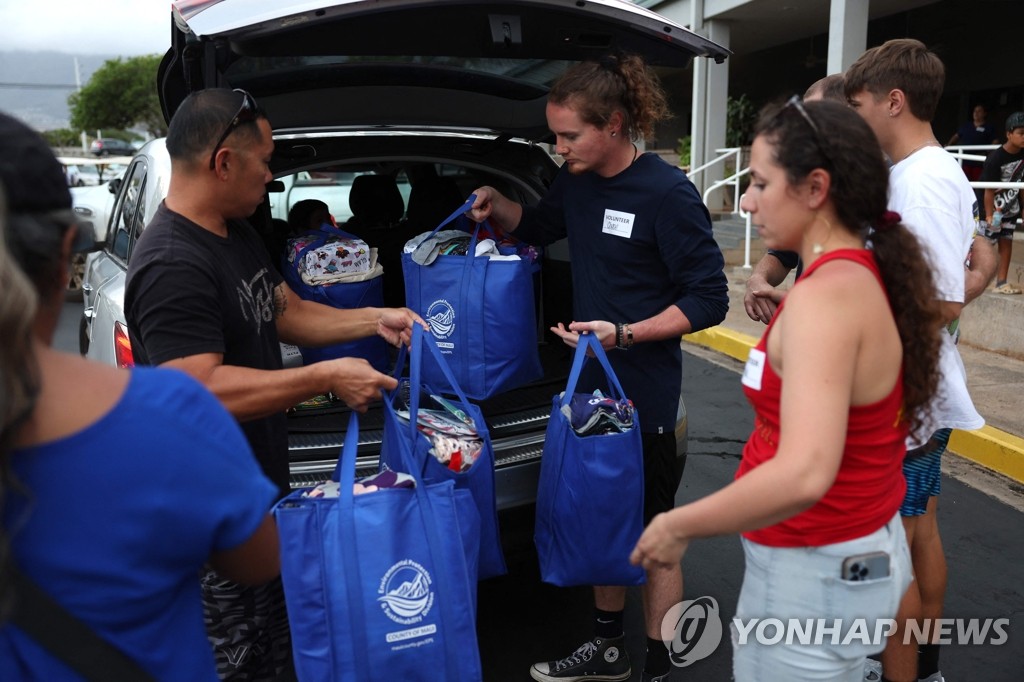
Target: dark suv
[(111, 146), (347, 98)]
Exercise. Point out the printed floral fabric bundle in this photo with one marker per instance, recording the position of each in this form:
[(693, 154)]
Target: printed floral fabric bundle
[(337, 259)]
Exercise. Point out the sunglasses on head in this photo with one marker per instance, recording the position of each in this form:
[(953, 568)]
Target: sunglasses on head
[(797, 103), (246, 113)]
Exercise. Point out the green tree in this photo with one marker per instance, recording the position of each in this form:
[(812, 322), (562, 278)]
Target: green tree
[(120, 94), (740, 119), (61, 137), (684, 151)]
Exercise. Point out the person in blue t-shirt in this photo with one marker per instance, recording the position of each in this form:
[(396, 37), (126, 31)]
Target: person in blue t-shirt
[(116, 487), (645, 270)]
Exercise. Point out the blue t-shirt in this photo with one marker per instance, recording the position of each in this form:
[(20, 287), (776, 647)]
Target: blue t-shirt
[(639, 241), (119, 518)]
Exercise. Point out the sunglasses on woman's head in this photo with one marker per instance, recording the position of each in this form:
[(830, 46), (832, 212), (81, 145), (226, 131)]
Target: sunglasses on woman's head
[(796, 103), (246, 113)]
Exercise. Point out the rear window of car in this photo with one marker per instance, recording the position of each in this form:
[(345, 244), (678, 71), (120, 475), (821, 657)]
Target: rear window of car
[(527, 72)]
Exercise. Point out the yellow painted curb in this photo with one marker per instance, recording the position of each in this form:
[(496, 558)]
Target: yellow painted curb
[(733, 343), (991, 448), (994, 449)]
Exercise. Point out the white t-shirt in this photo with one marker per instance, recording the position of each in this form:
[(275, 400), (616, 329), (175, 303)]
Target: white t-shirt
[(930, 191)]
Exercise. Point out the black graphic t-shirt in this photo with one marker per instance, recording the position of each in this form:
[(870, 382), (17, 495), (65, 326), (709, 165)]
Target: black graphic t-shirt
[(190, 291), (1003, 166)]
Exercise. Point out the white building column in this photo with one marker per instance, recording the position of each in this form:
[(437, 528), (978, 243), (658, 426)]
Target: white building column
[(847, 33), (710, 107)]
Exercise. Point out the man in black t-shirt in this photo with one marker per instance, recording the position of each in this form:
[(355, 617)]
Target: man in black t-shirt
[(1005, 164), (202, 296)]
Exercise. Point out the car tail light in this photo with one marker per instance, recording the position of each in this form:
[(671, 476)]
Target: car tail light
[(122, 347)]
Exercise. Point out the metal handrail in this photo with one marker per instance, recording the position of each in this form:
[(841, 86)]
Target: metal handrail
[(730, 180), (746, 241), (738, 210), (959, 151), (980, 184), (724, 153)]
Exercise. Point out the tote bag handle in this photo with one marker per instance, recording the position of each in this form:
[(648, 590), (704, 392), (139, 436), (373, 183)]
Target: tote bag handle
[(421, 340), (466, 205), (345, 474), (589, 340)]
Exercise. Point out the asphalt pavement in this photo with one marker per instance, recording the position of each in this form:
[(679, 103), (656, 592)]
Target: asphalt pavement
[(981, 513), (995, 379), (522, 620)]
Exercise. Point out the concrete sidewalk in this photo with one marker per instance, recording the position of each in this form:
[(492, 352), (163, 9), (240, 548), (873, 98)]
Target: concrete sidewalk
[(995, 379)]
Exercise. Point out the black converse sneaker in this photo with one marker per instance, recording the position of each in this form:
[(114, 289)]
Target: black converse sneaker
[(598, 659)]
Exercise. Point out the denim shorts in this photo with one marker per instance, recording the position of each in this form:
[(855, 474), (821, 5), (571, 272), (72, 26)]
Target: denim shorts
[(806, 582)]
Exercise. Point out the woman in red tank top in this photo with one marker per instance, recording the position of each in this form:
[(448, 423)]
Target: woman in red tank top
[(840, 374)]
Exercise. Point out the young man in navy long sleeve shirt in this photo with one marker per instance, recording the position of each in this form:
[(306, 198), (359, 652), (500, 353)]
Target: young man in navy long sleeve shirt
[(645, 270)]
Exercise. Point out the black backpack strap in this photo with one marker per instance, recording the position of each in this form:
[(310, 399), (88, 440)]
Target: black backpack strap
[(66, 637)]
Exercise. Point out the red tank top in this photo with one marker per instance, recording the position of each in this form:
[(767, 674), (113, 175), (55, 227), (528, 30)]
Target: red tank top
[(869, 486)]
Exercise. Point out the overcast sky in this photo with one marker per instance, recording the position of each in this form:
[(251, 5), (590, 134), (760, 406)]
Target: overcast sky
[(120, 28)]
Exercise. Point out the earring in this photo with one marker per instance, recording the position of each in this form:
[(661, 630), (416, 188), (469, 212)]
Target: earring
[(613, 133), (818, 249)]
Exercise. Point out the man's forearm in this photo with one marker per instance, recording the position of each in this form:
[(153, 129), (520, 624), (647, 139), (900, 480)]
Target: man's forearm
[(308, 323), (984, 260), (250, 393), (771, 269)]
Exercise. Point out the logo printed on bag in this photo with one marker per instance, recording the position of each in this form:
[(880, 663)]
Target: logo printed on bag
[(441, 318), (406, 592)]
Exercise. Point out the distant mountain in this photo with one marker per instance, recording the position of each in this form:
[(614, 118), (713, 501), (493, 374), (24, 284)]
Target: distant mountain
[(34, 86)]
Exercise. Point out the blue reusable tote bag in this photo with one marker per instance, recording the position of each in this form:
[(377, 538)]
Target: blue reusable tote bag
[(377, 585), (347, 295), (404, 441), (590, 496), (481, 314)]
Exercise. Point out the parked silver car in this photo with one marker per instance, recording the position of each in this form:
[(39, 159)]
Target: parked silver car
[(359, 88), (111, 146)]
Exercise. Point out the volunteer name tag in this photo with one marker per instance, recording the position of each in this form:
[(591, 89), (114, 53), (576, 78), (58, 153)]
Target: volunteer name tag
[(618, 223), (754, 369)]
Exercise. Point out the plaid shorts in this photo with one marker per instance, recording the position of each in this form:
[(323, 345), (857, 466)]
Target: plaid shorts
[(247, 626)]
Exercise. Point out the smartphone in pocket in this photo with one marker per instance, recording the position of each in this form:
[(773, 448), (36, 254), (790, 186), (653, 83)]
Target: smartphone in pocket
[(867, 566)]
